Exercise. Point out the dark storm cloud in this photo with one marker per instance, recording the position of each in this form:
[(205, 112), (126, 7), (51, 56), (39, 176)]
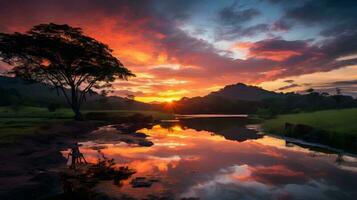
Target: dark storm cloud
[(147, 19), (44, 11), (303, 57), (336, 17), (238, 31), (324, 11), (174, 9), (235, 14), (281, 25), (233, 19), (279, 45), (179, 46)]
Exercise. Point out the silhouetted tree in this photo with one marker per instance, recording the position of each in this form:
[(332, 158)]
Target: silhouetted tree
[(338, 91), (61, 56)]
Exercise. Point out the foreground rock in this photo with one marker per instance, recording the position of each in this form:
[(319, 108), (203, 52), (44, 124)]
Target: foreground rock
[(119, 133)]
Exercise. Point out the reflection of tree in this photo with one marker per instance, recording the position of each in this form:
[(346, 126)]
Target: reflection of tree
[(77, 157), (230, 128)]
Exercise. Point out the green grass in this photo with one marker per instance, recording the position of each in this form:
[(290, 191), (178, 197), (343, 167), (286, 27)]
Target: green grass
[(157, 115), (342, 122), (22, 121), (34, 112), (12, 129), (65, 113)]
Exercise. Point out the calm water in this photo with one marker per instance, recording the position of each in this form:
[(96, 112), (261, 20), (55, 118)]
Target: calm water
[(221, 158)]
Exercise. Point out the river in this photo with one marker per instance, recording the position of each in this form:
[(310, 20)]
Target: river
[(221, 157)]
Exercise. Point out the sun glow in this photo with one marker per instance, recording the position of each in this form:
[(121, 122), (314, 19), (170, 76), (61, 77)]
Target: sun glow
[(158, 99)]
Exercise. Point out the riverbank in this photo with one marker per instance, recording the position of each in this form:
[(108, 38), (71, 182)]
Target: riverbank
[(27, 159), (32, 140), (336, 128), (21, 122)]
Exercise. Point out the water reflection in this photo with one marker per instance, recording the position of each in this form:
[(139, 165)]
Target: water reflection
[(223, 159)]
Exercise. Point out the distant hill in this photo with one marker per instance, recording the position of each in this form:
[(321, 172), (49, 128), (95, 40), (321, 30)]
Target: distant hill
[(41, 95), (237, 98), (33, 92), (244, 99), (244, 92)]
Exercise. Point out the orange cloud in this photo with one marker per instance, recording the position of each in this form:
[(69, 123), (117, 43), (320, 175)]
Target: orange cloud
[(149, 41), (254, 50), (274, 55)]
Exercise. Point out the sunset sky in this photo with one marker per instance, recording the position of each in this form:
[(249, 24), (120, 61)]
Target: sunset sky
[(189, 48)]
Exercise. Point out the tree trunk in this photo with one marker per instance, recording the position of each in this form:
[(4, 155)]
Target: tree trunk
[(76, 105), (78, 116)]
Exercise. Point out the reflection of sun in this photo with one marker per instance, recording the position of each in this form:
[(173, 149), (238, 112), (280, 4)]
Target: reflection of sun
[(177, 128)]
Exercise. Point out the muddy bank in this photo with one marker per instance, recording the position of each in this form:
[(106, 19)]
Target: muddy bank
[(30, 167)]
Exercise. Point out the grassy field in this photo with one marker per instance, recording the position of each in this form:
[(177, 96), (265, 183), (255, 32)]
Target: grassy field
[(124, 113), (34, 112), (22, 121), (342, 121), (65, 113)]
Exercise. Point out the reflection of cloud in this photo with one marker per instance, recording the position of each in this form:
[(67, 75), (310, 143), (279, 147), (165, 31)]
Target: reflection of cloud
[(226, 185)]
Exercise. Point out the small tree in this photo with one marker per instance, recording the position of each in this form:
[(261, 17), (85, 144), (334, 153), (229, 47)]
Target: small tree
[(61, 56)]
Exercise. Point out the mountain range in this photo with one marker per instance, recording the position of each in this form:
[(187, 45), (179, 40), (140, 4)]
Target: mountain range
[(235, 98)]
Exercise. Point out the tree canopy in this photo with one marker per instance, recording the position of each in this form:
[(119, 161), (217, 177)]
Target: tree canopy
[(63, 57)]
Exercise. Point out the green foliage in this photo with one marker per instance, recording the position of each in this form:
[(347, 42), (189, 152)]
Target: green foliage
[(35, 112), (295, 103)]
